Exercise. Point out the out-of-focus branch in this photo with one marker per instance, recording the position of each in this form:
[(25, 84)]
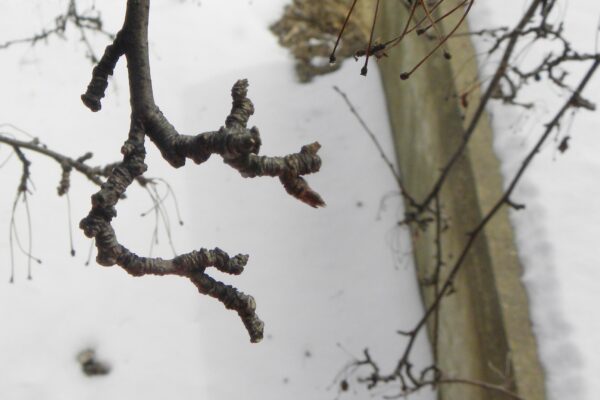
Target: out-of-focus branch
[(404, 374), (96, 174), (85, 22), (373, 138), (485, 98), (409, 381)]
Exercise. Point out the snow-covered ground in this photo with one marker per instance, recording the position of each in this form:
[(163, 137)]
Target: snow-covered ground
[(328, 282), (557, 234)]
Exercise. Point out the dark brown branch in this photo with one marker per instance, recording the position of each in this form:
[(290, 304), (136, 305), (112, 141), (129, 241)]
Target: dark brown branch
[(234, 142), (364, 69), (379, 49), (332, 58), (407, 74)]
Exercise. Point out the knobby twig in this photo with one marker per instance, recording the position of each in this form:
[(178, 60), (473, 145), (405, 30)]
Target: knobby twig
[(234, 142)]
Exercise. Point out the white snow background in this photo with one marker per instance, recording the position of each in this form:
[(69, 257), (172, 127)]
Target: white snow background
[(321, 277), (558, 233), (328, 282)]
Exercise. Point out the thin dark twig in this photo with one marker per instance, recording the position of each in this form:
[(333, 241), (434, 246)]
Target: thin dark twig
[(433, 23), (405, 31), (375, 141), (364, 68), (332, 58), (502, 66), (417, 27)]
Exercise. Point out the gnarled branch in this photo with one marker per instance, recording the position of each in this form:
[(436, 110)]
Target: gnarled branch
[(234, 142)]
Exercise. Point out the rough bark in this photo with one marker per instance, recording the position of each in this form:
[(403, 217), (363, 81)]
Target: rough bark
[(235, 143)]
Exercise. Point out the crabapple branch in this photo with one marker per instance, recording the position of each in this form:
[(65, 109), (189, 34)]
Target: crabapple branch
[(235, 143)]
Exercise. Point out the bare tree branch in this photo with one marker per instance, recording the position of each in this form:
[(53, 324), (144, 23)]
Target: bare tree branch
[(234, 142)]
